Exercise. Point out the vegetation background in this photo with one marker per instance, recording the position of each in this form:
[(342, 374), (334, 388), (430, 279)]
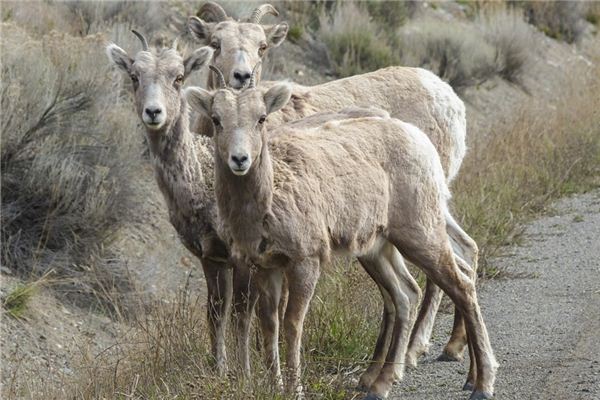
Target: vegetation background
[(100, 300)]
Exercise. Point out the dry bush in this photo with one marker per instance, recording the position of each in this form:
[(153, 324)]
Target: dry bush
[(511, 38), (456, 53), (68, 159), (356, 44), (543, 152), (563, 20)]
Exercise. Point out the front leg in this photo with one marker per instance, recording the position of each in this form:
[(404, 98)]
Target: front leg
[(245, 295), (302, 279), (219, 286), (268, 283)]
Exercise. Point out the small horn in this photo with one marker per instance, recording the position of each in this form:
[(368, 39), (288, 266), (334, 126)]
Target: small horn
[(252, 81), (142, 39), (220, 77), (260, 12), (212, 11)]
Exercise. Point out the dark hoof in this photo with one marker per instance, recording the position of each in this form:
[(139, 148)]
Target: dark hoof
[(449, 358), (373, 396), (481, 396), (469, 386), (362, 388)]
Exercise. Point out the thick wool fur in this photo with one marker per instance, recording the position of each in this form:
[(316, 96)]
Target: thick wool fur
[(332, 187), (183, 165), (346, 183)]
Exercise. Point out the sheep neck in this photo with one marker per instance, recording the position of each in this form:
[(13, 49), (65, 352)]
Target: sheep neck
[(245, 201), (177, 168)]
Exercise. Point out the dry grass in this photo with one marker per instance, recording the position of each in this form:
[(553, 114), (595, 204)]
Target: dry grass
[(563, 20), (68, 161), (542, 153)]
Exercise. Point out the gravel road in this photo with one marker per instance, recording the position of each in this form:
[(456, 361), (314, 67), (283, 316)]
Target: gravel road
[(544, 321)]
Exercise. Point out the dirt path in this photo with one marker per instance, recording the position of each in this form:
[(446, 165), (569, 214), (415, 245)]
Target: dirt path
[(544, 325)]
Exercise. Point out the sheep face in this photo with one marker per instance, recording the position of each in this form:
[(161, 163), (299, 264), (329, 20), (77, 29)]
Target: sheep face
[(237, 45), (157, 79), (238, 118)]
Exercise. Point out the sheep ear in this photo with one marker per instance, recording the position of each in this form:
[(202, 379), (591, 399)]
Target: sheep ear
[(198, 59), (276, 34), (119, 57), (200, 29), (200, 100), (277, 97)]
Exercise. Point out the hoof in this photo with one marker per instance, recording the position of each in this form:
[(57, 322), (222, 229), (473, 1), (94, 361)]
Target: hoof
[(362, 388), (481, 396), (445, 357), (373, 396), (411, 361), (468, 386)]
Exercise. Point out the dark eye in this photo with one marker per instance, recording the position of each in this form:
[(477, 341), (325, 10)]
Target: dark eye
[(262, 119), (262, 49), (216, 121), (215, 45), (179, 80), (134, 78)]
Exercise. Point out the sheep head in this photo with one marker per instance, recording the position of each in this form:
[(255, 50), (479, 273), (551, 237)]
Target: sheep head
[(157, 77), (238, 117), (238, 44)]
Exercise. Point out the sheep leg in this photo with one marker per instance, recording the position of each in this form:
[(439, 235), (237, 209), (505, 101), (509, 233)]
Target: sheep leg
[(446, 271), (385, 330), (302, 279), (421, 333), (466, 247), (404, 292), (219, 287), (245, 296), (268, 283)]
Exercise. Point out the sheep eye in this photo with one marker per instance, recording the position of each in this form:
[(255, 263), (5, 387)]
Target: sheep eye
[(179, 80), (262, 119), (134, 78), (262, 49), (216, 121), (215, 45)]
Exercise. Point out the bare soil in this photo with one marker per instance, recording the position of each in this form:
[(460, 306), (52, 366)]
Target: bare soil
[(543, 321)]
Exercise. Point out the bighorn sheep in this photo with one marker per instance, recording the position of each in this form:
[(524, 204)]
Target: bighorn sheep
[(413, 95), (349, 182), (183, 168)]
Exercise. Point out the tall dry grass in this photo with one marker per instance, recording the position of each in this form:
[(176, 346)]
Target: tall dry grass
[(68, 159)]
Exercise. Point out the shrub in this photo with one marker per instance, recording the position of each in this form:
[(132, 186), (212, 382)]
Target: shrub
[(510, 36), (68, 158), (456, 53), (563, 20), (355, 43), (539, 154)]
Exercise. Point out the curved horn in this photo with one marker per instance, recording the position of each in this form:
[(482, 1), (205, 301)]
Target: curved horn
[(220, 77), (260, 12), (142, 39), (252, 81), (212, 11)]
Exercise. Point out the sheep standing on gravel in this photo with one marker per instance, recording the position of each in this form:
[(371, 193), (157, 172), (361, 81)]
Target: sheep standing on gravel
[(288, 199), (413, 95)]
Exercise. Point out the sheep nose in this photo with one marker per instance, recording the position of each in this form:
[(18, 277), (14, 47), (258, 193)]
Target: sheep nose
[(239, 159), (241, 76), (153, 112)]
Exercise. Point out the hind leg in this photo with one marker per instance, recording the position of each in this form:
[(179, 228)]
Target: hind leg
[(390, 273), (467, 249), (431, 251)]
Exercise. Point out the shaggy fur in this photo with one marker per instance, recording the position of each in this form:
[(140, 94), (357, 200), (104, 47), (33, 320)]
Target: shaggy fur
[(183, 169), (348, 183)]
